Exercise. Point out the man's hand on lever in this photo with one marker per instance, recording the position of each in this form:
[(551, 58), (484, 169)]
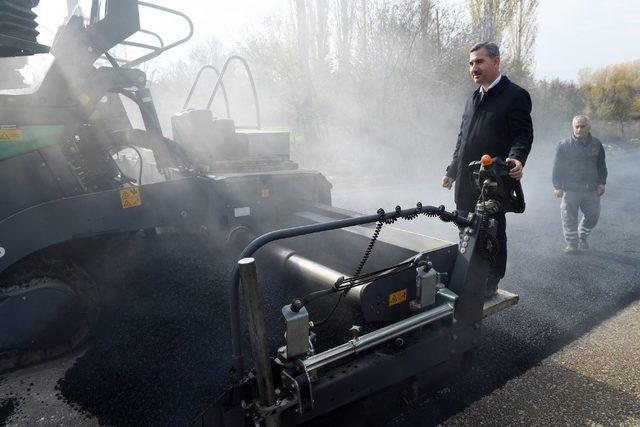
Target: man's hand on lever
[(516, 172), (447, 182)]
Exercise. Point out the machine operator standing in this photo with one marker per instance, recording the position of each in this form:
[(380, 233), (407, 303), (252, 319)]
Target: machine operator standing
[(579, 177), (496, 121)]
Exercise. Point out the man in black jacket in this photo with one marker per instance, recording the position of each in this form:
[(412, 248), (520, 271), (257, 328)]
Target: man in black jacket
[(496, 121), (579, 177)]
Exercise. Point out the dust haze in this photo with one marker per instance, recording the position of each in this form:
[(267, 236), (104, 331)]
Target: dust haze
[(373, 93)]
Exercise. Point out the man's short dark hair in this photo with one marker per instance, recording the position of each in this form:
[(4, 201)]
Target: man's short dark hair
[(492, 49)]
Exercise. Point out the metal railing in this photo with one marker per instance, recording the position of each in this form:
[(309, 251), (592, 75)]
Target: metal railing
[(219, 84), (195, 83), (155, 50)]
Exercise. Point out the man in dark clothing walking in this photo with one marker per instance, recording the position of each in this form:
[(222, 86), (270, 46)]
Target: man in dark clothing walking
[(496, 121), (579, 177)]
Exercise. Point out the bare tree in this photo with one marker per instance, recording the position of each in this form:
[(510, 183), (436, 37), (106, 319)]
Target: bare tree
[(425, 16), (322, 30), (489, 18), (308, 121), (363, 33), (521, 36), (345, 13)]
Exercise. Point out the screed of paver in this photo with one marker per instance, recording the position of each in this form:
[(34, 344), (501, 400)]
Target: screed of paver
[(594, 381)]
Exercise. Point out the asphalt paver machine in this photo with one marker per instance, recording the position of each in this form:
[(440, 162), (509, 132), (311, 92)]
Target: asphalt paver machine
[(62, 192), (400, 305), (415, 314)]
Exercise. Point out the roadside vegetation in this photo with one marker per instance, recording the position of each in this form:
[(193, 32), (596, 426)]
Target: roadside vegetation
[(347, 76)]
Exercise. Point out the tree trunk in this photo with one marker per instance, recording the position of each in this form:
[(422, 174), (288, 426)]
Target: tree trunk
[(322, 15), (307, 115), (344, 42), (425, 16), (364, 50), (438, 37)]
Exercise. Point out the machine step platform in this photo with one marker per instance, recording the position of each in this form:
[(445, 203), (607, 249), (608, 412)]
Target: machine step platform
[(503, 299)]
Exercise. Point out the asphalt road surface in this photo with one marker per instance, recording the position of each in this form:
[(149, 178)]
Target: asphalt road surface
[(160, 360), (562, 297)]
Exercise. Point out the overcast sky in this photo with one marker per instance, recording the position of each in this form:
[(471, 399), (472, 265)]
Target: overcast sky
[(573, 34)]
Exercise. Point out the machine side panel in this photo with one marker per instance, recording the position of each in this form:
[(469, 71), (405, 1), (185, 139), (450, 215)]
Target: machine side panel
[(375, 372), (16, 140), (173, 203), (263, 201), (26, 181)]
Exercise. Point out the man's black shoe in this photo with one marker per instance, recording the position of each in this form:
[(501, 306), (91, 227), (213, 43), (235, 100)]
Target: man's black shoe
[(492, 287)]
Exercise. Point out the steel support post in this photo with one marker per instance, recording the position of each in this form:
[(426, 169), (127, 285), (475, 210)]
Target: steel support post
[(258, 334)]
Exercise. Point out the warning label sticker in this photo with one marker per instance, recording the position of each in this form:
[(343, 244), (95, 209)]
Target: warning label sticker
[(245, 211), (84, 98), (130, 197), (10, 134), (397, 297)]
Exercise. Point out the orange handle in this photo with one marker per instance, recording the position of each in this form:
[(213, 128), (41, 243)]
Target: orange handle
[(486, 160)]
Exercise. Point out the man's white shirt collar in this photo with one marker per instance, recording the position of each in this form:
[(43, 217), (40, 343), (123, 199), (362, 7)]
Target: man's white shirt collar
[(495, 82)]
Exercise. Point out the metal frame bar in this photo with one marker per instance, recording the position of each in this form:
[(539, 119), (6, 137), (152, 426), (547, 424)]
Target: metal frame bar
[(153, 34), (343, 384), (259, 343), (157, 52), (253, 85), (195, 82), (377, 337)]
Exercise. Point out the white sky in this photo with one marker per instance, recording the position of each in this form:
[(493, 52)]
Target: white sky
[(573, 34)]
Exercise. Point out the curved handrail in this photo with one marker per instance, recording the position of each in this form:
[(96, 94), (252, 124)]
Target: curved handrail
[(154, 34), (146, 45), (158, 51), (195, 83), (253, 85)]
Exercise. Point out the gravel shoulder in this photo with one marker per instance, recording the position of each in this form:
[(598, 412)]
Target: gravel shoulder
[(31, 397), (593, 381)]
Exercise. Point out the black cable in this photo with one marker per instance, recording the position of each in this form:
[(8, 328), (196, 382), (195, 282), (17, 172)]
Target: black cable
[(326, 319), (345, 285), (372, 242), (352, 282), (363, 261), (297, 304), (139, 158)]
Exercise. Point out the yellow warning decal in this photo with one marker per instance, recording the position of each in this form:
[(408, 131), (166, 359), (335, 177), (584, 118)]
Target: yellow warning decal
[(84, 98), (397, 297), (10, 134), (265, 193), (130, 197)]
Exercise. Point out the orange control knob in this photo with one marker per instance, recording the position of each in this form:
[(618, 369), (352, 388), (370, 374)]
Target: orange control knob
[(486, 160)]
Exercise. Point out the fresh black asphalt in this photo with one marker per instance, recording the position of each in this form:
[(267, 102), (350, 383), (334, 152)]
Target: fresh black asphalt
[(161, 354)]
